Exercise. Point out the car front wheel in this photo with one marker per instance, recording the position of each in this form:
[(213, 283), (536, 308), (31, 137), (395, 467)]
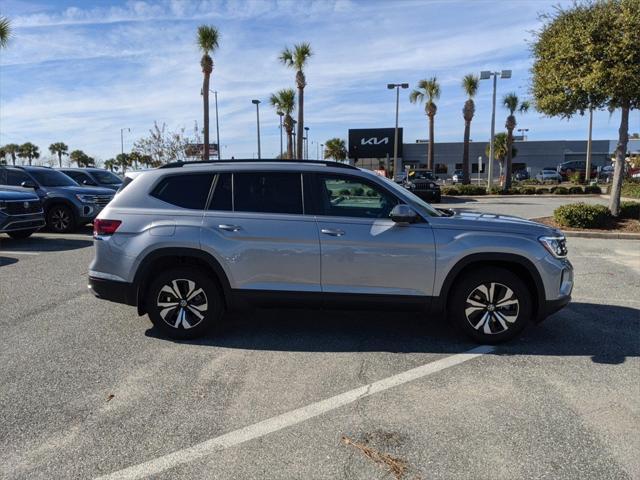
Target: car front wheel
[(491, 305), (60, 219), (184, 303)]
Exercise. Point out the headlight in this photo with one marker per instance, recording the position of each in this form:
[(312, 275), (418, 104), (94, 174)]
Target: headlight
[(557, 246), (86, 198), (411, 185)]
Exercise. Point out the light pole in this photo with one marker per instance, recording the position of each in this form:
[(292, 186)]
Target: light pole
[(587, 171), (306, 143), (486, 75), (522, 132), (397, 167), (257, 104), (215, 93), (122, 138), (293, 133), (322, 151), (281, 114)]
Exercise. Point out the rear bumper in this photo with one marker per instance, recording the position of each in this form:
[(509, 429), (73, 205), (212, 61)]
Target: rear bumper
[(113, 291)]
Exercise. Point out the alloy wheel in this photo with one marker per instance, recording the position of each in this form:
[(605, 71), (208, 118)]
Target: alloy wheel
[(182, 304), (60, 219), (492, 308)]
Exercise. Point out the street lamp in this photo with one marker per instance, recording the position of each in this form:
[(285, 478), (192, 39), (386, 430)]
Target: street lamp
[(306, 143), (322, 150), (522, 132), (122, 138), (397, 168), (293, 134), (215, 93), (486, 75), (257, 104), (280, 114)]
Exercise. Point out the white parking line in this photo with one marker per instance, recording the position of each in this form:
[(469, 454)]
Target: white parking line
[(17, 252), (288, 419)]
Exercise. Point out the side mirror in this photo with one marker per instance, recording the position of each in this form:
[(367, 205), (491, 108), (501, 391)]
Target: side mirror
[(403, 214), (28, 184)]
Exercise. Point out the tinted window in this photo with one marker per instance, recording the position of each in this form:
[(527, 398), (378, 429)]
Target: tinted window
[(186, 191), (106, 177), (221, 199), (52, 178), (350, 197), (267, 192), (16, 177)]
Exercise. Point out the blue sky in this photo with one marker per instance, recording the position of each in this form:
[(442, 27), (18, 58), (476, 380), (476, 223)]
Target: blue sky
[(78, 71)]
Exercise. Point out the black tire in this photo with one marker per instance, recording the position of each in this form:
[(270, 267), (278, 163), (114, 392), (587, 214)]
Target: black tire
[(60, 219), (21, 234), (480, 317), (207, 304), (437, 198)]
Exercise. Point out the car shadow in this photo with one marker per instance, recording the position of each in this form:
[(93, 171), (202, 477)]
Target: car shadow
[(43, 244), (606, 333), (4, 261)]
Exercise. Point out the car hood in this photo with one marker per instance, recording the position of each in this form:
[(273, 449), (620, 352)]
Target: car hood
[(81, 190), (17, 193), (470, 221)]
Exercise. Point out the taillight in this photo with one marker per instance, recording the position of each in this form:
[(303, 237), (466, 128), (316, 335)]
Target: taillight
[(105, 227)]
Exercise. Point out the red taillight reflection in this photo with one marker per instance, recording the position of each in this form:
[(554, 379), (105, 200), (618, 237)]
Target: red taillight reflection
[(105, 227)]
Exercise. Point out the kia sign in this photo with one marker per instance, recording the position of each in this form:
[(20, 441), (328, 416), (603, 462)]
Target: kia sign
[(373, 142)]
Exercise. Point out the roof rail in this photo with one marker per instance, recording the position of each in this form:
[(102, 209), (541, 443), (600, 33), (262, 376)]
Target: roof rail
[(311, 162)]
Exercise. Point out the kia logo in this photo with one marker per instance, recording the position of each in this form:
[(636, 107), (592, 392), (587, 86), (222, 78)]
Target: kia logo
[(374, 141)]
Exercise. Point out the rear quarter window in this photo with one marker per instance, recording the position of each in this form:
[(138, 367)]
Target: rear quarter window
[(186, 191)]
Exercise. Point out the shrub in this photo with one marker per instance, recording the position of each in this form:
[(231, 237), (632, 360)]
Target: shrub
[(528, 190), (345, 191), (631, 188), (450, 191), (630, 210), (472, 190), (560, 190), (576, 177), (582, 215), (371, 193), (575, 189), (542, 191), (592, 189), (358, 192)]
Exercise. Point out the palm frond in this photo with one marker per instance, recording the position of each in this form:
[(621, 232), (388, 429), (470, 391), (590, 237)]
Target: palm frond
[(524, 107), (207, 38), (470, 84), (286, 57), (5, 32), (284, 100), (296, 58), (510, 101), (416, 96)]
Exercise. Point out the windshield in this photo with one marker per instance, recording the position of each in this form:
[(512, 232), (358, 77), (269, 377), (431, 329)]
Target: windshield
[(105, 177), (416, 201), (420, 175), (52, 178)]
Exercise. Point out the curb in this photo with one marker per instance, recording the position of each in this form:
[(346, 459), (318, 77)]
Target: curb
[(544, 195), (587, 234)]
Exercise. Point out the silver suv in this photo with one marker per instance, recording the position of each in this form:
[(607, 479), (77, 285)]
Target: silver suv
[(186, 241)]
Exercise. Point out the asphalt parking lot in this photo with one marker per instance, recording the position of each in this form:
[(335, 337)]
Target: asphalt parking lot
[(89, 389)]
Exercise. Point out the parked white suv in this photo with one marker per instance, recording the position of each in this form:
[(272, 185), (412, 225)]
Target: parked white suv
[(187, 241)]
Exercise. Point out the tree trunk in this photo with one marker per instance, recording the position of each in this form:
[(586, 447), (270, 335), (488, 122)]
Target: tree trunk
[(466, 179), (13, 159), (205, 100), (300, 137), (289, 145), (507, 170), (430, 147), (60, 159), (618, 172)]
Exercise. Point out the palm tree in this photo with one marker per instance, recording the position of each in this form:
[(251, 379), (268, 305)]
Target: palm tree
[(428, 90), (207, 42), (29, 151), (335, 148), (500, 149), (513, 104), (12, 149), (3, 156), (110, 164), (123, 161), (284, 101), (81, 159), (470, 86), (297, 59), (5, 32), (60, 149)]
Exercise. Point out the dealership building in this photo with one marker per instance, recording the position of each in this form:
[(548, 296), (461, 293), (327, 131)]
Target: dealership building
[(373, 149)]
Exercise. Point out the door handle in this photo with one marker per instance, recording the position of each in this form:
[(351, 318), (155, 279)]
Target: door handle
[(230, 228), (334, 232)]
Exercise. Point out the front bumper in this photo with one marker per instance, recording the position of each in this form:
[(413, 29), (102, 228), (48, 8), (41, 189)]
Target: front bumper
[(113, 291), (13, 223)]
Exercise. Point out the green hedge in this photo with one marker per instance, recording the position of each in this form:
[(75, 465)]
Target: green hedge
[(575, 190), (582, 215), (630, 210), (592, 189), (631, 188)]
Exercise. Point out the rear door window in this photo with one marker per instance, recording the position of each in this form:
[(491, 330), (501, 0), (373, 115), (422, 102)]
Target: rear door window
[(16, 177), (268, 192), (221, 199), (186, 191)]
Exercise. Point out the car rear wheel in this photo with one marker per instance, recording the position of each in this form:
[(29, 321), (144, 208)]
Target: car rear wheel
[(184, 303), (60, 219), (21, 234), (491, 305)]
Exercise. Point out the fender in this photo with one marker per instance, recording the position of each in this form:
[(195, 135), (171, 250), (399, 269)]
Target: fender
[(183, 252)]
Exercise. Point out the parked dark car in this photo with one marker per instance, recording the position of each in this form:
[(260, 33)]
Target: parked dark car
[(21, 212), (423, 184), (566, 169), (94, 177), (66, 204), (521, 175)]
